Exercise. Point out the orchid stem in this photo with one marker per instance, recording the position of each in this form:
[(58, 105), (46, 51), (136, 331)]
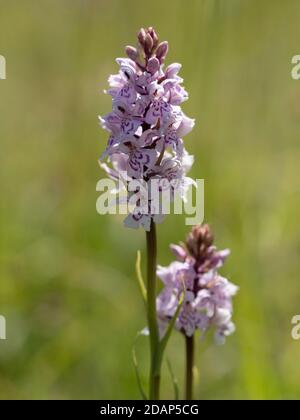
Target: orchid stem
[(190, 355), (155, 353)]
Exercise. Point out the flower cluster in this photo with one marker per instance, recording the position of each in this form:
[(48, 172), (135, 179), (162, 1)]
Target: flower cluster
[(207, 295), (147, 124)]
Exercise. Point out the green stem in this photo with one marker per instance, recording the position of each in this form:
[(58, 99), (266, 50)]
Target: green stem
[(155, 354), (189, 379)]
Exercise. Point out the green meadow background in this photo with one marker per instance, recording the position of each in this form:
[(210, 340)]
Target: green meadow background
[(67, 280)]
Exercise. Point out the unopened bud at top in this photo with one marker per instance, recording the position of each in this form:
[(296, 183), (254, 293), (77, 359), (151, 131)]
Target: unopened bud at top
[(199, 240), (148, 44), (142, 36), (162, 51), (154, 37)]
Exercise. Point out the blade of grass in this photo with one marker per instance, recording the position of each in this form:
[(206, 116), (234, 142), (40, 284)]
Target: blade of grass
[(140, 276), (137, 373)]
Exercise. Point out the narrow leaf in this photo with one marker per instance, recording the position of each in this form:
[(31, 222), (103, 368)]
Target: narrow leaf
[(174, 380), (140, 277), (171, 325), (138, 377)]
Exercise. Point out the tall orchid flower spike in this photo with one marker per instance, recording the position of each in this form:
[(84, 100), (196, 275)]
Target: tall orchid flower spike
[(146, 127)]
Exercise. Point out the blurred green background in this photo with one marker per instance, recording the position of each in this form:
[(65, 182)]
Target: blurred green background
[(67, 280)]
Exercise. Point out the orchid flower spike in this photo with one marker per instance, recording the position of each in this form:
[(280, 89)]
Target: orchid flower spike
[(146, 126)]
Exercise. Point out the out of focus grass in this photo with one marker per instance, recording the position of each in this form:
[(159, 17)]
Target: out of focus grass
[(67, 283)]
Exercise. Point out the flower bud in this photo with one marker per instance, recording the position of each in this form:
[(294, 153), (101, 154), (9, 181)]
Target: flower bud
[(148, 44), (162, 50), (153, 65), (179, 252), (199, 240), (154, 37), (142, 36), (131, 52), (155, 40)]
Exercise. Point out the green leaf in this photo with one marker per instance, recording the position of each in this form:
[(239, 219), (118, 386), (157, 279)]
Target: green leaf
[(136, 368), (140, 277)]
